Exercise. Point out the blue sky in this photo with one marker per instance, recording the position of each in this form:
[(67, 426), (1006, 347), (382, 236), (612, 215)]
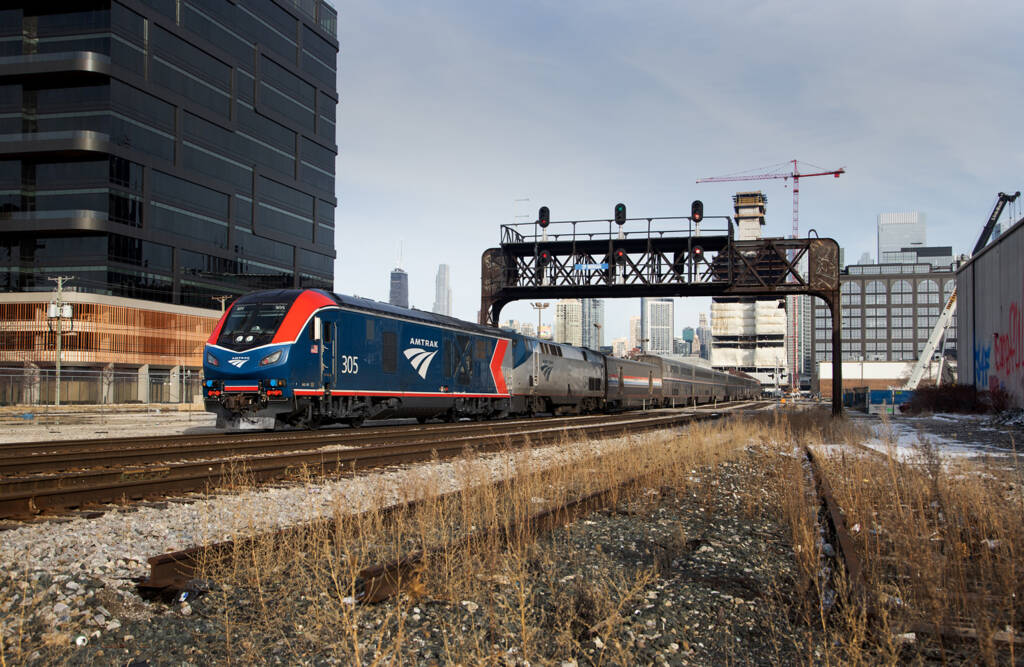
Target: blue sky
[(452, 111)]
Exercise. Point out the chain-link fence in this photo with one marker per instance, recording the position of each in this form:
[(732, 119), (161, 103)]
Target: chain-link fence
[(38, 386)]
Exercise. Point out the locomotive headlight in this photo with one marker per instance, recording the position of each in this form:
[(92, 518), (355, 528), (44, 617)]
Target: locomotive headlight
[(272, 358), (212, 360)]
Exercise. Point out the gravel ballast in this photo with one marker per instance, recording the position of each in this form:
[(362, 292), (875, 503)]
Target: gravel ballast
[(721, 593)]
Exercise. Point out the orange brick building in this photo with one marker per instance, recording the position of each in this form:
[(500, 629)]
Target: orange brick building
[(113, 349)]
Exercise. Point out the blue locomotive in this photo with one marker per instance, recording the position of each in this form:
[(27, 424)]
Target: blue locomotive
[(308, 357)]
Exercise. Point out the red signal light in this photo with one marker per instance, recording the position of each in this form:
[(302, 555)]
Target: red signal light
[(697, 210)]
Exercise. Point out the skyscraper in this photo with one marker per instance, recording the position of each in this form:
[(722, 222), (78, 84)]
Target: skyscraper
[(897, 231), (703, 333), (658, 324), (635, 332), (443, 291), (399, 294), (168, 151), (568, 321), (592, 314)]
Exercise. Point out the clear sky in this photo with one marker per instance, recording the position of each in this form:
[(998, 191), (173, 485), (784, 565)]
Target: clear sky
[(452, 111)]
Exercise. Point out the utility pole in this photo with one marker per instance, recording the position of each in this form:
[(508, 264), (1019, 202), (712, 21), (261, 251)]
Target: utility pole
[(222, 298), (58, 311), (539, 306)]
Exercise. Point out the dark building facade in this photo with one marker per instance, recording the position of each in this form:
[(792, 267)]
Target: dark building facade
[(167, 150)]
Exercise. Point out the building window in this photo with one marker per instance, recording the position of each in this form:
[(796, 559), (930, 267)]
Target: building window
[(927, 291), (902, 292), (875, 293)]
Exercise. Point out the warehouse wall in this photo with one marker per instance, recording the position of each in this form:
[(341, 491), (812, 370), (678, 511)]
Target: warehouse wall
[(990, 296)]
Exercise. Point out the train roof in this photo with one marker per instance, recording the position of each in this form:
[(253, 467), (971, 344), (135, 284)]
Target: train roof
[(369, 306)]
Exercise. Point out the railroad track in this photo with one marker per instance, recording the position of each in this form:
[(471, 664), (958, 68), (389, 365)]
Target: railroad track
[(78, 455), (119, 472)]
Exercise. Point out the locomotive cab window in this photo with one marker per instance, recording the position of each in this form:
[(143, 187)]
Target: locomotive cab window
[(250, 324)]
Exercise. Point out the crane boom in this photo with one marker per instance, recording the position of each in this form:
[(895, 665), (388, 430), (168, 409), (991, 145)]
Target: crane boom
[(765, 177), (997, 211), (945, 317)]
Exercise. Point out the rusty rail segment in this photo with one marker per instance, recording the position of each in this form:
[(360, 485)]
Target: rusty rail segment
[(172, 572), (837, 524), (836, 521), (27, 497), (379, 582)]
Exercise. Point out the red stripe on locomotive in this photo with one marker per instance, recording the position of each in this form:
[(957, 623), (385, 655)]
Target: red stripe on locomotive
[(496, 360), (305, 305), (220, 325)]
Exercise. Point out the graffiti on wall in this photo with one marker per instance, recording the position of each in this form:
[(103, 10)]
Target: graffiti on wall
[(981, 364), (1001, 366)]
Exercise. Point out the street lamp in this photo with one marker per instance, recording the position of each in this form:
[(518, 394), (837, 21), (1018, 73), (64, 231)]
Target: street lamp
[(597, 336)]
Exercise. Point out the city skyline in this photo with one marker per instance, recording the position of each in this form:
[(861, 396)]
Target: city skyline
[(584, 126)]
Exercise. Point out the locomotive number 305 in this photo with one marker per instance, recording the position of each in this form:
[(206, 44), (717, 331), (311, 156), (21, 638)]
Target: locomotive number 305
[(349, 364)]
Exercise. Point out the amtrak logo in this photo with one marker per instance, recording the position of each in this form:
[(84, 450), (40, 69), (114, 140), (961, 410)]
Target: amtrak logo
[(238, 362), (545, 368), (420, 359)]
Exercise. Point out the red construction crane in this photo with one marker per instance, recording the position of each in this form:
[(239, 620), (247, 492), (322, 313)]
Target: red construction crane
[(770, 173), (773, 173)]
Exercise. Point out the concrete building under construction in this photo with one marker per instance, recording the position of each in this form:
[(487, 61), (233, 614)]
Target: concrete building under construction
[(749, 334)]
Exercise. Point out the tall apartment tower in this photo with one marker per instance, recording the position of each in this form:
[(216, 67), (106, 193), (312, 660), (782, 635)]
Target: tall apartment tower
[(168, 151), (635, 332), (897, 231), (657, 318), (569, 322), (592, 314), (703, 337), (747, 334), (399, 293), (443, 291)]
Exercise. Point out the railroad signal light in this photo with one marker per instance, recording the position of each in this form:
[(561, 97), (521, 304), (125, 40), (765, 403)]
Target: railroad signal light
[(544, 217), (543, 257), (697, 210), (620, 214), (620, 256), (698, 252)]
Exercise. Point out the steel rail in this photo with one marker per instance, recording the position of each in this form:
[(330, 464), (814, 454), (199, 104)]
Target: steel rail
[(21, 498), (835, 520), (103, 455), (55, 447)]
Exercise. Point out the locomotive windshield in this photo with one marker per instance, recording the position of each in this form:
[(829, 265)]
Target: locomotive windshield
[(251, 324)]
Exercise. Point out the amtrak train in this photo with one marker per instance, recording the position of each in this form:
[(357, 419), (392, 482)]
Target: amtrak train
[(307, 358)]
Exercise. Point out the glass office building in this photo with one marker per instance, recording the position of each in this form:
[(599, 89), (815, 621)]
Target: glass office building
[(168, 150)]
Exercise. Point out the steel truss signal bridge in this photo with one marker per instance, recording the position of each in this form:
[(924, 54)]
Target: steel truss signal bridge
[(652, 257)]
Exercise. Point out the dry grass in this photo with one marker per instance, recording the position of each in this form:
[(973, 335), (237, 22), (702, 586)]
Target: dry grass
[(525, 614), (941, 544)]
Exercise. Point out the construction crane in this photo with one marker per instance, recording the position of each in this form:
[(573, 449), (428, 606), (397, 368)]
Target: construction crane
[(784, 175), (997, 211), (946, 317), (773, 173)]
